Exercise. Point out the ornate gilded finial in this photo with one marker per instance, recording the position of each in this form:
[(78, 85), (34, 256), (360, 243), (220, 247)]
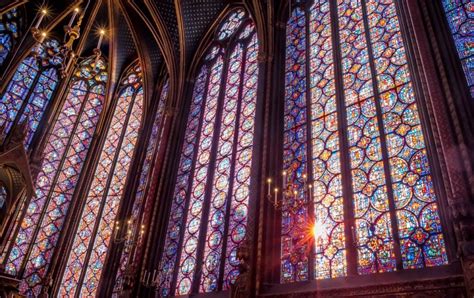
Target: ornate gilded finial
[(73, 33)]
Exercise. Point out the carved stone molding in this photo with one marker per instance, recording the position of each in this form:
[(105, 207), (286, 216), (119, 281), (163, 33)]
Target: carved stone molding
[(9, 287), (445, 287)]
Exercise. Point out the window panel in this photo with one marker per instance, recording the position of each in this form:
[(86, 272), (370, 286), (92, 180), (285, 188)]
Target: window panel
[(220, 184), (9, 32), (146, 171), (64, 156), (388, 173), (30, 89), (294, 258), (239, 208), (208, 217), (371, 207), (328, 202), (460, 16), (422, 243), (94, 232), (188, 259), (176, 223)]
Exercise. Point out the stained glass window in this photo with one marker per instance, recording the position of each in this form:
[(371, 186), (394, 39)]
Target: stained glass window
[(30, 89), (3, 196), (153, 146), (66, 149), (460, 15), (9, 32), (96, 221), (372, 192), (208, 217)]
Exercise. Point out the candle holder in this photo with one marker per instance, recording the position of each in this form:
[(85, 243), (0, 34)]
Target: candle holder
[(151, 280), (65, 55), (125, 282), (128, 238), (291, 195)]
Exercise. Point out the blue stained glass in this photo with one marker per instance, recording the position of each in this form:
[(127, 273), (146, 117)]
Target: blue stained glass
[(231, 174), (367, 89), (460, 16), (9, 23), (31, 88)]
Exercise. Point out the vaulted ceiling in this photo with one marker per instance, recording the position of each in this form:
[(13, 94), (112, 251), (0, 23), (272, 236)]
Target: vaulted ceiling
[(163, 34)]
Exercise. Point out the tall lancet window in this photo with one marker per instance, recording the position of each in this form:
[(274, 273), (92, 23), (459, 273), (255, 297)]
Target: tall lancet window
[(9, 32), (460, 15), (30, 89), (34, 240), (153, 146), (352, 127), (96, 221), (208, 216)]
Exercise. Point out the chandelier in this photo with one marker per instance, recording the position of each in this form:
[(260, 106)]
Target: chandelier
[(65, 57), (291, 194)]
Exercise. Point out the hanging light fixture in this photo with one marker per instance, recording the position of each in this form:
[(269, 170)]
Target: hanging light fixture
[(65, 56)]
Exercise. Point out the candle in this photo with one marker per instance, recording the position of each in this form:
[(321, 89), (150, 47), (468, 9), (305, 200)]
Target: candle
[(116, 229), (145, 278), (269, 181), (101, 36), (310, 186), (42, 37), (284, 179), (276, 197), (73, 17), (70, 61), (154, 275), (41, 17)]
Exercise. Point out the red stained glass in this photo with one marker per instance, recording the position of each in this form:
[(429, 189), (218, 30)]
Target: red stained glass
[(216, 155), (390, 182), (94, 232)]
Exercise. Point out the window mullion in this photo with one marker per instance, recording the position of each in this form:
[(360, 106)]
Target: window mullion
[(107, 187), (25, 102), (309, 144), (347, 191), (232, 170), (210, 174), (190, 178), (383, 140), (53, 184)]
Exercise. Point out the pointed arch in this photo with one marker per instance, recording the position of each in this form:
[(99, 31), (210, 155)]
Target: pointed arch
[(31, 88), (34, 240), (136, 222), (96, 221), (208, 217), (353, 131)]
